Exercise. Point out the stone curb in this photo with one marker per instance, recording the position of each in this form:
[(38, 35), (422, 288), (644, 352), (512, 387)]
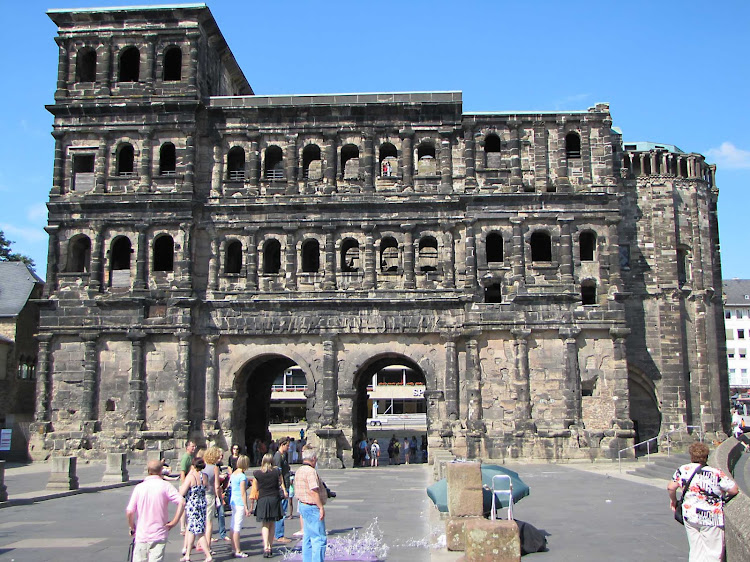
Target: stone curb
[(44, 495)]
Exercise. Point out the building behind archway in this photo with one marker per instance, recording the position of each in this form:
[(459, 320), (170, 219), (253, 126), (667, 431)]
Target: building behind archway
[(540, 274)]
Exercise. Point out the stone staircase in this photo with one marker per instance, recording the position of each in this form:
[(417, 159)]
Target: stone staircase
[(660, 466)]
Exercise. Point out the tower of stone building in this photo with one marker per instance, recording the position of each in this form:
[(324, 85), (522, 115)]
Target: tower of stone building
[(204, 240)]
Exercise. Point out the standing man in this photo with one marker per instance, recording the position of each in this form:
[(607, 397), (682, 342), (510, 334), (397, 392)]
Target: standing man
[(703, 505), (281, 459), (186, 463), (311, 496), (148, 515)]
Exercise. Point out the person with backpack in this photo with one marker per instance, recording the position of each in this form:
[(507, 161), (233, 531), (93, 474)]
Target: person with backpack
[(374, 453)]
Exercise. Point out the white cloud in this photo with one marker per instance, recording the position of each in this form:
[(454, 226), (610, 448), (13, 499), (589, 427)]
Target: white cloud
[(575, 100), (37, 212), (729, 156), (23, 234)]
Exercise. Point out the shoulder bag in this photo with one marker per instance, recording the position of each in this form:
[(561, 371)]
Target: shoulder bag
[(678, 509), (254, 492)]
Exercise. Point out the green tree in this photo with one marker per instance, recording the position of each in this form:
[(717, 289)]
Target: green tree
[(7, 254)]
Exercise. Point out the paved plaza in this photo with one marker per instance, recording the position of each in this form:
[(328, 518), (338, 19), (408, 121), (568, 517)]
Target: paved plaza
[(589, 511)]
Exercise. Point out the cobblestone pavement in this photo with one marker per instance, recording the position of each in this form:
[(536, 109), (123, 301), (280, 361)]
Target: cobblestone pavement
[(590, 512)]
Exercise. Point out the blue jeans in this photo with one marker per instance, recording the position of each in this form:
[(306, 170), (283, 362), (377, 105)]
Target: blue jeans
[(280, 523), (314, 542), (222, 525)]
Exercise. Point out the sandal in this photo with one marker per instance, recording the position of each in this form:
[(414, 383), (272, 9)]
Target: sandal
[(241, 555)]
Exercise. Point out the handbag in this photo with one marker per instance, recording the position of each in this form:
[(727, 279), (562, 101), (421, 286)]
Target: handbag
[(678, 509), (254, 493)]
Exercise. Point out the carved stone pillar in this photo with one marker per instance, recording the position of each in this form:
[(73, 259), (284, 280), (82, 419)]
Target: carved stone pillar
[(409, 277), (329, 172), (446, 161), (182, 422), (330, 378), (407, 157), (192, 77), (516, 178), (518, 264), (52, 259), (451, 381), (44, 379), (100, 166), (137, 382), (469, 159), (368, 163), (58, 168), (563, 183), (615, 276), (290, 258), (217, 170), (329, 279), (184, 262), (572, 378), (291, 165), (147, 61), (88, 391), (96, 279), (521, 379), (212, 382), (213, 261), (144, 172), (141, 259), (621, 396), (449, 257), (252, 170), (369, 280), (251, 258), (473, 387), (103, 68), (227, 396), (62, 68), (566, 250), (470, 284), (187, 184)]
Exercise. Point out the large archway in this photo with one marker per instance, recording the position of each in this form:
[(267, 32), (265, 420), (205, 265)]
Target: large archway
[(390, 394), (270, 389), (644, 406)]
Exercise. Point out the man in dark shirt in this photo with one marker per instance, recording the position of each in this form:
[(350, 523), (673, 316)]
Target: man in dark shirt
[(281, 459)]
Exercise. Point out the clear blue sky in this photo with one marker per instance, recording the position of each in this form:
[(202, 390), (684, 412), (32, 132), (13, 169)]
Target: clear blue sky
[(674, 73)]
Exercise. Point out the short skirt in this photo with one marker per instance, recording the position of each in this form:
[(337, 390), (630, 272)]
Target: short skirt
[(268, 508)]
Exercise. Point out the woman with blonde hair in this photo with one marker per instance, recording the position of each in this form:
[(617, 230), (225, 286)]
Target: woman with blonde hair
[(268, 509), (238, 485), (212, 456)]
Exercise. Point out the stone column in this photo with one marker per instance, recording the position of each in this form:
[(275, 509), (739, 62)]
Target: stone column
[(541, 157), (329, 172), (562, 159), (615, 277), (252, 168), (290, 259), (217, 171), (329, 279), (182, 423), (621, 396), (516, 177), (144, 172), (522, 379), (58, 168), (473, 386), (212, 382), (446, 161), (470, 284), (44, 379), (213, 261), (52, 255), (103, 68), (407, 157), (62, 68), (330, 378), (712, 174), (518, 265), (449, 258), (409, 277), (184, 261), (566, 249), (369, 279), (368, 162), (572, 378), (291, 165), (141, 260), (451, 381), (192, 74), (137, 381), (345, 412), (147, 62), (100, 166), (251, 258), (189, 178), (469, 159), (88, 391)]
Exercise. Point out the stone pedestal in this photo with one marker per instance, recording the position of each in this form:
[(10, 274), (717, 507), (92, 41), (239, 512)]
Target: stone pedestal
[(492, 541), (3, 488), (464, 489), (117, 468), (328, 449), (63, 474)]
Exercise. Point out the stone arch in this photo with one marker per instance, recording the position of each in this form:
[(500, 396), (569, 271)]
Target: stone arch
[(644, 403)]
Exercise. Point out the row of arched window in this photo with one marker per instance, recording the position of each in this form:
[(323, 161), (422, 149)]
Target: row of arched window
[(125, 160), (128, 64), (120, 255)]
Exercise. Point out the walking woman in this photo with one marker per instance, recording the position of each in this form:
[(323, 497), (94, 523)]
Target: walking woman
[(213, 490), (268, 509), (238, 485), (194, 491)]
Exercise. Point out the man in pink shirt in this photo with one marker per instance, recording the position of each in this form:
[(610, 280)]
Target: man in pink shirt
[(149, 505)]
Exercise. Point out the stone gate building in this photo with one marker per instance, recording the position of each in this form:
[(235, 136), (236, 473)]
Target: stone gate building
[(557, 289)]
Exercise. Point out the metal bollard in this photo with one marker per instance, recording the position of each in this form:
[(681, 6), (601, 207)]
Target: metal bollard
[(63, 474), (117, 468)]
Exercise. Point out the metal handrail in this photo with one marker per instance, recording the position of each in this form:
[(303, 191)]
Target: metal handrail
[(509, 491), (666, 436)]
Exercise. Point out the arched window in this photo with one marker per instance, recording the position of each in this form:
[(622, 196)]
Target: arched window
[(350, 161), (311, 164), (274, 166), (493, 293), (349, 255), (388, 254), (167, 159), (310, 256), (236, 164), (572, 145), (626, 162), (272, 256), (79, 254), (588, 291), (233, 257), (428, 254), (492, 151), (683, 265), (119, 262), (125, 159), (388, 159), (587, 245), (541, 246), (164, 253), (173, 65), (130, 65), (86, 65), (426, 165), (493, 246)]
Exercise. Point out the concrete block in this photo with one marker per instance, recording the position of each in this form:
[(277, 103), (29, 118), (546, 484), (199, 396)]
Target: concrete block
[(492, 541), (464, 489), (63, 474), (455, 532), (117, 468)]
